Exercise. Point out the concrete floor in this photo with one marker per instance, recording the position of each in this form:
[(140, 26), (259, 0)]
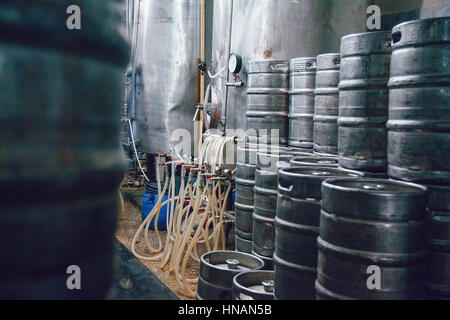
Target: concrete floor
[(128, 223), (134, 281)]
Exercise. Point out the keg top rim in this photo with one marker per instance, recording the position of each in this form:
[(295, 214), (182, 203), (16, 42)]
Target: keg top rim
[(281, 153), (375, 186), (371, 33), (314, 159), (376, 42), (447, 18), (331, 54), (244, 274), (303, 59), (319, 172), (406, 33), (231, 255), (321, 154), (328, 61)]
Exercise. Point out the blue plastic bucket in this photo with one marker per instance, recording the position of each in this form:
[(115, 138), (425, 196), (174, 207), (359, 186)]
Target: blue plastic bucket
[(148, 202)]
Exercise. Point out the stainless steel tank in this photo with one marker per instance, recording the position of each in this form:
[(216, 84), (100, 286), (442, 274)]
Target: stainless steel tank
[(60, 164), (326, 103), (274, 29), (419, 108), (373, 244), (363, 101), (302, 73), (166, 75)]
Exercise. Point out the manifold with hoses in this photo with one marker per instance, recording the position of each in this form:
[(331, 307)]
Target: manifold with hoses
[(196, 215)]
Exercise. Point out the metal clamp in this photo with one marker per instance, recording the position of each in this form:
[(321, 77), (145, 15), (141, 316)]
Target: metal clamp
[(235, 84)]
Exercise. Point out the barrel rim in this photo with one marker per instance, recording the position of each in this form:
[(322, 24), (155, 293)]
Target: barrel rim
[(372, 36), (245, 290), (419, 21), (328, 184), (215, 268), (329, 54), (359, 34), (303, 158), (290, 172), (323, 62)]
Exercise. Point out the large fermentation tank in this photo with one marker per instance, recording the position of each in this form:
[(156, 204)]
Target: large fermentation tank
[(166, 78), (273, 29)]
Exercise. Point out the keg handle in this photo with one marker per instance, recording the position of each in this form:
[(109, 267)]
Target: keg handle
[(280, 67), (288, 189), (337, 61), (268, 285), (232, 263), (396, 36), (311, 65)]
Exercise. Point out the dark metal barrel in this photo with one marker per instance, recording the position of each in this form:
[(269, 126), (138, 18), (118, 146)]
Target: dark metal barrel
[(301, 102), (253, 285), (419, 108), (438, 259), (245, 182), (326, 105), (314, 161), (266, 203), (267, 100), (217, 270), (363, 101), (60, 162), (297, 229), (372, 242)]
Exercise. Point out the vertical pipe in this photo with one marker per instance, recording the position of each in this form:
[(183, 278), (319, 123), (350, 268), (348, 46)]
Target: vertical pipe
[(202, 77), (224, 113)]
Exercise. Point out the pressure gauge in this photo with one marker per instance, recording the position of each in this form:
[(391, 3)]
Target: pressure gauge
[(234, 63)]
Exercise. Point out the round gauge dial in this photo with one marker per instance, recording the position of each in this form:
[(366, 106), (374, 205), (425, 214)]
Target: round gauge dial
[(234, 63)]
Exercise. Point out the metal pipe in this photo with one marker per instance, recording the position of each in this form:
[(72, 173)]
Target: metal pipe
[(223, 119)]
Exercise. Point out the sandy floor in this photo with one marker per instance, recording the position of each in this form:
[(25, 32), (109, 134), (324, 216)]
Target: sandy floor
[(128, 224)]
